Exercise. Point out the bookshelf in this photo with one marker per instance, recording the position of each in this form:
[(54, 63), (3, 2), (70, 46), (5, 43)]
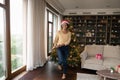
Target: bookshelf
[(115, 30), (96, 29)]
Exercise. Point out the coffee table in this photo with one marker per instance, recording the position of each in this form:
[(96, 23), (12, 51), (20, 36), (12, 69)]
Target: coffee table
[(107, 74)]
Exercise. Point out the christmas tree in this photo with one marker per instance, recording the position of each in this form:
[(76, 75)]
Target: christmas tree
[(75, 49)]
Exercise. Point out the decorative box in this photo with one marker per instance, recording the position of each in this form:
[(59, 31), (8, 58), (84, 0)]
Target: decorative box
[(118, 68), (99, 56)]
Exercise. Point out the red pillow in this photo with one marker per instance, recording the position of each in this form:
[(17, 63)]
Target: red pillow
[(118, 68), (99, 56)]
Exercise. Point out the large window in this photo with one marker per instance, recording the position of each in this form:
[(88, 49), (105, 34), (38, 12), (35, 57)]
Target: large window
[(17, 34), (2, 44), (2, 1), (52, 28), (12, 39)]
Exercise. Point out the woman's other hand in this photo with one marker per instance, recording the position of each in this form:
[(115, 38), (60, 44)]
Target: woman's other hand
[(60, 45), (53, 47)]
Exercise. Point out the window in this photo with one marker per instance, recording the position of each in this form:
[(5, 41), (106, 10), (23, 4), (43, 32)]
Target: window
[(2, 1), (12, 39), (17, 34), (55, 26), (52, 28), (50, 36), (2, 45)]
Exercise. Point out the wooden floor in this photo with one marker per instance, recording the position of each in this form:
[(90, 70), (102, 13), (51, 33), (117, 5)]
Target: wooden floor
[(51, 72)]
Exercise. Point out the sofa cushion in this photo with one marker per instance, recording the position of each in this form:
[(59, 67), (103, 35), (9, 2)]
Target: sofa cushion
[(110, 62), (92, 50), (111, 51), (93, 60)]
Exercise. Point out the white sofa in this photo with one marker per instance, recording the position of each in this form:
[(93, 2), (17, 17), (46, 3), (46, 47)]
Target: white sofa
[(111, 57)]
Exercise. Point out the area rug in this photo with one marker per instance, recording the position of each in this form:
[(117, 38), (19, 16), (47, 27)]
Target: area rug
[(84, 76)]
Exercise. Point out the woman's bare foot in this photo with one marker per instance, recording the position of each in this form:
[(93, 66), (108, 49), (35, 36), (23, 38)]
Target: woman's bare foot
[(63, 76), (59, 67)]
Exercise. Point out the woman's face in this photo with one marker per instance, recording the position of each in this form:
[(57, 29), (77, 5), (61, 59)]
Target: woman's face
[(64, 26)]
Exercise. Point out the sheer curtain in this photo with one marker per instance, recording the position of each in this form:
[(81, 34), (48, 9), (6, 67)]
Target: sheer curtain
[(35, 34)]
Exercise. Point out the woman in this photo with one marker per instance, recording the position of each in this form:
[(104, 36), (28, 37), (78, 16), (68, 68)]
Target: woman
[(61, 42)]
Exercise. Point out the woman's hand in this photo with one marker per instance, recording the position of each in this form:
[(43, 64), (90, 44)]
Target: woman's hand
[(53, 47), (60, 45)]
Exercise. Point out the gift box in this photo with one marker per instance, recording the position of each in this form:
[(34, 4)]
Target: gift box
[(118, 68), (99, 56)]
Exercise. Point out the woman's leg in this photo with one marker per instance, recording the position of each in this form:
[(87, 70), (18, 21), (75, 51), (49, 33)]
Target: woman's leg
[(65, 56), (60, 56)]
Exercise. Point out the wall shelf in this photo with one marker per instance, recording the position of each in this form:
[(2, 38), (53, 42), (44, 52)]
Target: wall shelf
[(96, 29)]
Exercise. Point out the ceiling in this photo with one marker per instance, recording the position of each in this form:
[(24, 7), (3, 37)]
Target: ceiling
[(89, 4)]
